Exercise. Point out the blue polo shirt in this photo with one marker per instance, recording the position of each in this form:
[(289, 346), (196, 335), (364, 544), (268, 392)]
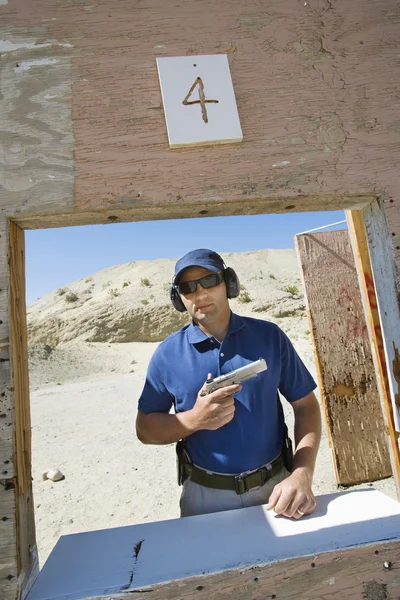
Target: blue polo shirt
[(179, 368)]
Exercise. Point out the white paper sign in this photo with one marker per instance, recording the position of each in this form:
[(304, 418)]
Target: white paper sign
[(199, 101)]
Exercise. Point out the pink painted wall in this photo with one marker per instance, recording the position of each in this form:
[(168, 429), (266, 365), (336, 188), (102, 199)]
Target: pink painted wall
[(317, 87)]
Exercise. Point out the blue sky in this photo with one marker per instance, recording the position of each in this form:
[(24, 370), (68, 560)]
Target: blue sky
[(56, 257)]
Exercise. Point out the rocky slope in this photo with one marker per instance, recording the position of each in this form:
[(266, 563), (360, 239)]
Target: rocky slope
[(130, 302)]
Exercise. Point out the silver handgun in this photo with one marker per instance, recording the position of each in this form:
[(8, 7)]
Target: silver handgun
[(236, 376)]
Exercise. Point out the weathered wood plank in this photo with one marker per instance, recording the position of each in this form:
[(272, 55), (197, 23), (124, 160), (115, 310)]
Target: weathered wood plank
[(36, 138), (305, 139), (7, 447), (27, 554), (28, 558), (19, 349), (316, 137), (383, 316), (8, 547), (383, 268), (8, 533), (351, 574), (18, 552), (346, 370), (145, 212)]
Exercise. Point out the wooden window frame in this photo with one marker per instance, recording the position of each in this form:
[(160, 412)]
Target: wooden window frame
[(373, 253)]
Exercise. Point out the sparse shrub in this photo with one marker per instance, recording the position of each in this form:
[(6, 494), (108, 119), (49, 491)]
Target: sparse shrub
[(242, 287), (145, 282), (292, 289), (282, 314), (113, 292), (144, 301), (126, 283), (166, 286), (71, 297), (307, 332), (262, 308), (272, 276), (244, 297), (62, 291), (88, 279), (106, 285)]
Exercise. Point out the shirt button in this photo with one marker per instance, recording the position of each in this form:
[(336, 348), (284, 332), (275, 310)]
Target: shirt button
[(212, 341), (222, 354)]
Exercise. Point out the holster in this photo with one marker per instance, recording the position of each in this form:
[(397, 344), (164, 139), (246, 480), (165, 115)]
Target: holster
[(182, 457), (287, 450)]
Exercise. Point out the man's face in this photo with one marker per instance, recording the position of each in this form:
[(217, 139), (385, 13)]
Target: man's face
[(204, 305)]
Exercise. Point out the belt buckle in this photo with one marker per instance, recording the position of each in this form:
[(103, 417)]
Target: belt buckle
[(239, 482)]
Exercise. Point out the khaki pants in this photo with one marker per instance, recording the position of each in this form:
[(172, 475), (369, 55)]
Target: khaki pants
[(199, 500)]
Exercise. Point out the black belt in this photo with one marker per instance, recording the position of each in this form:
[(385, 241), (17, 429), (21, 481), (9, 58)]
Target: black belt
[(238, 483)]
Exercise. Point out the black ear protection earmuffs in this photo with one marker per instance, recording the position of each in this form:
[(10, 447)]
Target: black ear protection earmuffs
[(176, 299), (231, 282)]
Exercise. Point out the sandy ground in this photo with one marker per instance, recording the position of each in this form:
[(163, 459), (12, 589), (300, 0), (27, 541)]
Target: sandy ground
[(84, 398), (84, 389)]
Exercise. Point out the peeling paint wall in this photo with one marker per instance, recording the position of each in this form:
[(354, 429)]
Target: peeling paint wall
[(316, 85)]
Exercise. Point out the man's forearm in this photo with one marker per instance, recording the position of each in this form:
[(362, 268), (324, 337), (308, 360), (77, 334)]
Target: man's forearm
[(163, 428), (306, 452), (307, 433)]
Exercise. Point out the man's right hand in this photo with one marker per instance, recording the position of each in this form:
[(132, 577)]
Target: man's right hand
[(212, 411)]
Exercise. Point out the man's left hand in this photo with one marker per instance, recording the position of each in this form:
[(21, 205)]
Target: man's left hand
[(293, 497)]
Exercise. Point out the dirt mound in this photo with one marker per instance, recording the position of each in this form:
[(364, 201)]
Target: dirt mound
[(130, 302)]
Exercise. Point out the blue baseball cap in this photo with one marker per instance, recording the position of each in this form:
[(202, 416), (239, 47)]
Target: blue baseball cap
[(208, 259)]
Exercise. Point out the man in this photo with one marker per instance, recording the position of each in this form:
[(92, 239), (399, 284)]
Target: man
[(233, 436)]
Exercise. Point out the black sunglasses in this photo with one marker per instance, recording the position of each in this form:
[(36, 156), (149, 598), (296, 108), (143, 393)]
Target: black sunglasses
[(208, 281)]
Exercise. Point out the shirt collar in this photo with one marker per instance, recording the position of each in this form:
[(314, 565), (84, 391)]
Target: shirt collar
[(196, 335), (236, 323)]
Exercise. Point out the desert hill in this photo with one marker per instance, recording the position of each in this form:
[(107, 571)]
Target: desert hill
[(130, 302)]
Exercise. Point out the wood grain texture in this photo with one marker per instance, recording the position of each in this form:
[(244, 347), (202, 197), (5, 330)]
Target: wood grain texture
[(316, 87), (18, 558), (347, 377), (367, 286), (383, 268), (26, 540), (9, 588), (19, 349), (143, 212), (36, 141), (354, 574), (27, 553), (7, 445)]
